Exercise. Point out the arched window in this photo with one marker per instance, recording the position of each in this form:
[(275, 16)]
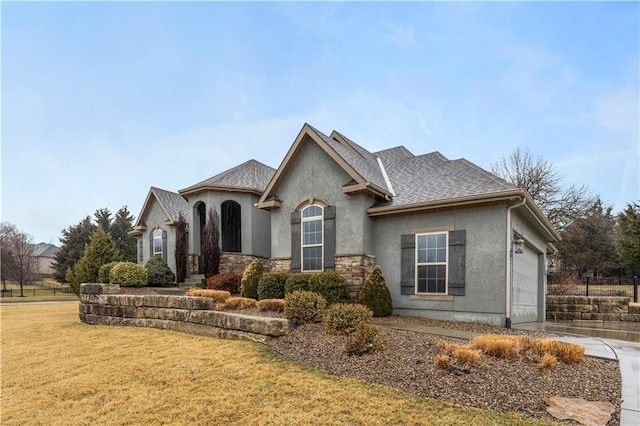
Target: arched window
[(157, 242), (312, 238), (231, 227)]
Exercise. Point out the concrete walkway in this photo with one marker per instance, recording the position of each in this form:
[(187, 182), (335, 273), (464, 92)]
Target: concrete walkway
[(626, 353)]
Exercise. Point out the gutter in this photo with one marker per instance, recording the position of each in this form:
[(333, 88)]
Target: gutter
[(508, 283)]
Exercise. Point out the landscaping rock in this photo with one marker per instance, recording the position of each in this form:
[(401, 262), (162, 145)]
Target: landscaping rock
[(590, 413)]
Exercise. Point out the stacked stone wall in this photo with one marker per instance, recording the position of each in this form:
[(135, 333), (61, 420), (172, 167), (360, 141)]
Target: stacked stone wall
[(103, 304), (236, 262), (599, 308), (355, 269), (282, 264)]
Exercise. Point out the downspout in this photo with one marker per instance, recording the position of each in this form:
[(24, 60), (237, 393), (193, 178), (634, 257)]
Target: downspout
[(507, 309)]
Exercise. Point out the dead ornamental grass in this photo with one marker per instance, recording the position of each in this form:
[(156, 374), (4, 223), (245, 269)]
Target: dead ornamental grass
[(56, 371), (220, 296)]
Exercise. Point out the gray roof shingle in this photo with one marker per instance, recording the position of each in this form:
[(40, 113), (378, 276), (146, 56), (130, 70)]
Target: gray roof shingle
[(251, 175), (172, 202), (45, 250)]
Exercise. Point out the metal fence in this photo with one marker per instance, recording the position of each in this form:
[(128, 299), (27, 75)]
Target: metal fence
[(587, 285)]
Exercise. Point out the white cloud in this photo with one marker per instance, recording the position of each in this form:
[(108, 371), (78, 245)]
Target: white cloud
[(619, 113)]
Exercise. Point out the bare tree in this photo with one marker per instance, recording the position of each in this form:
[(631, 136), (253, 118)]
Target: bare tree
[(541, 180), (211, 245), (19, 245)]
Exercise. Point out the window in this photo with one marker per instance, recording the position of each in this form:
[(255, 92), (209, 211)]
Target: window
[(312, 231), (157, 242), (231, 227), (431, 263)]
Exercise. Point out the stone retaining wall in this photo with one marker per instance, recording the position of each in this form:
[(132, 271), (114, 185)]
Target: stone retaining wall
[(599, 308), (103, 304)]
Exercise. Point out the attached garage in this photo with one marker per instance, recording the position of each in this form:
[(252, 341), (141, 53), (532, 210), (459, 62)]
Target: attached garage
[(526, 286)]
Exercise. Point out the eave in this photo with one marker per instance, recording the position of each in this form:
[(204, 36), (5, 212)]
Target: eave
[(203, 188)]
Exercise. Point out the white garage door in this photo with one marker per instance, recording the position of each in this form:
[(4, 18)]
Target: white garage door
[(525, 287)]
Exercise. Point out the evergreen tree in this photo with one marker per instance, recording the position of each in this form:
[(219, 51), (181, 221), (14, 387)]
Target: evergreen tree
[(588, 242), (119, 230), (211, 245), (73, 241), (103, 219), (181, 249), (628, 232), (99, 251), (375, 294)]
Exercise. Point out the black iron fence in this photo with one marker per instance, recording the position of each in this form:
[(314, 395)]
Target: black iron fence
[(589, 285)]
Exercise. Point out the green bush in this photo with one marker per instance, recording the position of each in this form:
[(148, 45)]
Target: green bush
[(103, 272), (128, 274), (303, 307), (331, 285), (365, 339), (297, 282), (343, 318), (159, 273), (271, 285), (229, 282), (375, 294), (251, 278)]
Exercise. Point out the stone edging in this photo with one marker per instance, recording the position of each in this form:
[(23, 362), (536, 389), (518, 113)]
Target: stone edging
[(104, 305)]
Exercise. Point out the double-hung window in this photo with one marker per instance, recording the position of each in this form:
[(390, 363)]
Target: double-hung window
[(157, 242), (312, 244), (431, 263)]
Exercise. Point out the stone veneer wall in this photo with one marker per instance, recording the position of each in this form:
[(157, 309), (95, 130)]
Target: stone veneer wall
[(280, 264), (355, 269), (591, 308), (103, 304), (236, 262)]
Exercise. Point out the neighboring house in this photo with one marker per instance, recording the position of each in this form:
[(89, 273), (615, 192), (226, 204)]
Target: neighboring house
[(44, 255), (453, 240)]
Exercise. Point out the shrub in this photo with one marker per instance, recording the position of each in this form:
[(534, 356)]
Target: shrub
[(271, 285), (375, 294), (128, 274), (365, 339), (103, 272), (251, 278), (229, 282), (159, 273), (240, 303), (219, 296), (331, 285), (303, 307), (297, 282), (343, 318), (271, 305)]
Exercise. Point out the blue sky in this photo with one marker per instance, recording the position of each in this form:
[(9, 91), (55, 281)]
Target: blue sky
[(100, 101)]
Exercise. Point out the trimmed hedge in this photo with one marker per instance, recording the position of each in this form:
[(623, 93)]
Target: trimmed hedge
[(271, 305), (271, 285), (303, 307), (128, 274), (297, 282), (228, 282), (365, 339), (104, 271), (250, 279), (331, 285), (375, 294), (159, 273), (343, 318)]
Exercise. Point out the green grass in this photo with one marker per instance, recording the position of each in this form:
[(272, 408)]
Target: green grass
[(46, 290), (56, 371)]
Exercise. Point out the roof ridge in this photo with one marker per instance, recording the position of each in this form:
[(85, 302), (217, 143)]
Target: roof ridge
[(487, 173)]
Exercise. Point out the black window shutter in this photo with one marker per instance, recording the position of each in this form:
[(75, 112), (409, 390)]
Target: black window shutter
[(164, 245), (151, 245), (407, 264), (457, 259), (295, 242), (140, 250), (329, 238)]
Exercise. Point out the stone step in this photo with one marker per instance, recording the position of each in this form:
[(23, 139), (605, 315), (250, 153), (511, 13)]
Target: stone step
[(634, 309), (170, 291)]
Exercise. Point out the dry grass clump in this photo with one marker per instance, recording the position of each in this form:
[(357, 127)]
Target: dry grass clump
[(271, 305), (447, 347), (455, 356), (220, 296), (466, 355), (499, 346), (569, 353), (547, 361), (442, 361), (240, 303)]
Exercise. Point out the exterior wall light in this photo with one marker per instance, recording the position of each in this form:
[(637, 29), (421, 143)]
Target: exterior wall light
[(516, 244)]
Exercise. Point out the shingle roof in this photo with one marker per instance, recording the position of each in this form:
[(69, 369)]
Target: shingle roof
[(45, 250), (172, 203), (251, 175)]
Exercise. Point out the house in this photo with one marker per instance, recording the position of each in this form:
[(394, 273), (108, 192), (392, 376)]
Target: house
[(454, 241), (44, 255)]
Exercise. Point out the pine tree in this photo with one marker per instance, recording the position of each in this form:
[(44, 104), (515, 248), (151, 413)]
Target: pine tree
[(103, 219), (99, 251), (119, 230), (628, 227), (375, 294), (73, 242)]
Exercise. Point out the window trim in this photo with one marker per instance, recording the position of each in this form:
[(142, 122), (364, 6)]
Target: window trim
[(303, 245), (418, 264), (157, 235)]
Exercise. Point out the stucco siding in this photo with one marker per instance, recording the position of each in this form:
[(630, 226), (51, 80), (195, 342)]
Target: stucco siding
[(155, 218), (315, 174)]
